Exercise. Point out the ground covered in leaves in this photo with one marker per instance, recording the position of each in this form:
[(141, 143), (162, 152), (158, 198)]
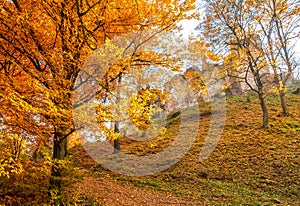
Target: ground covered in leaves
[(106, 191), (250, 165)]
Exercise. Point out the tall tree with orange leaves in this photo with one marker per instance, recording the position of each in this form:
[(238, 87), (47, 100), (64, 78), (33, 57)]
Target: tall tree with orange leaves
[(43, 45)]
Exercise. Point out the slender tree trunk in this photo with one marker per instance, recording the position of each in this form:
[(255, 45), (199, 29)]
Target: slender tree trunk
[(281, 86), (117, 145), (264, 110), (284, 107)]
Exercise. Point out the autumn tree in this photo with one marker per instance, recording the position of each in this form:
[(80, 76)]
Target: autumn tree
[(267, 29), (228, 26), (128, 98), (136, 62), (47, 42), (278, 26)]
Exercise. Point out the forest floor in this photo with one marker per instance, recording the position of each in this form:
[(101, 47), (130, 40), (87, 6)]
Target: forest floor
[(106, 191), (250, 165)]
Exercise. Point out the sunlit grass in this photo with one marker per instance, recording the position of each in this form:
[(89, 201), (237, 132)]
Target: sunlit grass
[(250, 165)]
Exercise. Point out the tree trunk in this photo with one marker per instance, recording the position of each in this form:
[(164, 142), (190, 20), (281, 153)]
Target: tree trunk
[(62, 129), (281, 90), (265, 110), (59, 153), (284, 107), (117, 145)]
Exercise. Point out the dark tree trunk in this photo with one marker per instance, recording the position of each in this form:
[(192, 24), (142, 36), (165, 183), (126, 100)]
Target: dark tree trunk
[(59, 153), (264, 110), (63, 128), (117, 145)]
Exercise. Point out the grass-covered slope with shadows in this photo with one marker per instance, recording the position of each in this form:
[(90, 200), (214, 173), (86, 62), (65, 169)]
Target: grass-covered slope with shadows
[(250, 165)]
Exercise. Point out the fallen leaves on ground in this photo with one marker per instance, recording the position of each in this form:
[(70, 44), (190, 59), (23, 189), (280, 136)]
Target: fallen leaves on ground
[(110, 192)]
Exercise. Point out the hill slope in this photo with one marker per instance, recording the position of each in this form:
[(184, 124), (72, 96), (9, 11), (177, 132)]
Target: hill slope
[(250, 165)]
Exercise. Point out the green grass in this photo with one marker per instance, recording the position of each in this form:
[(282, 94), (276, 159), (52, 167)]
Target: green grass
[(250, 165)]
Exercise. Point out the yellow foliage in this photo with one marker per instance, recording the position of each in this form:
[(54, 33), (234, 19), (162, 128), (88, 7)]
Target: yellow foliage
[(212, 56), (142, 106), (11, 148)]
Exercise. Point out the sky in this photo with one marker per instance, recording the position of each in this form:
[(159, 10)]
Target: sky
[(188, 27)]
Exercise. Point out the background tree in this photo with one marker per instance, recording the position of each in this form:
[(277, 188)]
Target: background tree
[(270, 26), (278, 25), (129, 98), (229, 29)]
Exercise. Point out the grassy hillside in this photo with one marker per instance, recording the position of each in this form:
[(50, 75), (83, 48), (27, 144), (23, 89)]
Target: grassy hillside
[(250, 165)]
